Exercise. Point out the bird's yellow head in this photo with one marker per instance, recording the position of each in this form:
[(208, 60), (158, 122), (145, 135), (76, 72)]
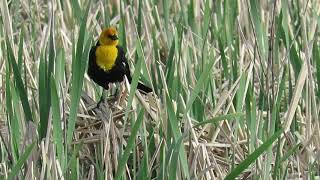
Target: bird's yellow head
[(109, 37)]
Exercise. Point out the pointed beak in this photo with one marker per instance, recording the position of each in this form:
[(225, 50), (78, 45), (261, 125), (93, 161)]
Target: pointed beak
[(114, 37)]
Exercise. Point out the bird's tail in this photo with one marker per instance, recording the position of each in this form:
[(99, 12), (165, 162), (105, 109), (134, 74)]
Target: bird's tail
[(144, 88), (141, 87)]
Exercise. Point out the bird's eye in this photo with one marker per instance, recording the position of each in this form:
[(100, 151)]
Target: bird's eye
[(113, 37)]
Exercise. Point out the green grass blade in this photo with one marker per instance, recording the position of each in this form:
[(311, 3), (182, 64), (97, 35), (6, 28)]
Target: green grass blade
[(56, 120), (316, 58), (43, 100), (253, 156), (207, 18), (78, 69), (15, 124), (20, 51), (216, 119), (76, 10), (135, 78), (174, 159), (177, 134), (11, 116), (19, 84), (170, 67), (199, 86), (130, 144), (259, 28), (166, 15), (17, 167), (72, 163), (139, 20), (290, 152), (122, 30), (60, 66)]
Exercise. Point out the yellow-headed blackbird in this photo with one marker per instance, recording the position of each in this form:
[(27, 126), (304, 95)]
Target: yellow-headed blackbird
[(107, 61)]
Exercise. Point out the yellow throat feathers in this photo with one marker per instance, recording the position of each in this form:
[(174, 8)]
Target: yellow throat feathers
[(106, 56)]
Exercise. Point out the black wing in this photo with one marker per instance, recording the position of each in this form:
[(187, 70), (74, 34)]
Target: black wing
[(124, 64), (92, 63)]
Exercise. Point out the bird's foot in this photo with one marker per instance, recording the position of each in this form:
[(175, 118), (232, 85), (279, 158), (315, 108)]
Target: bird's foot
[(116, 94), (101, 102)]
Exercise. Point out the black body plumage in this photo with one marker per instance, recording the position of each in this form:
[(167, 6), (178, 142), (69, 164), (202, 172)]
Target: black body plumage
[(115, 74)]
